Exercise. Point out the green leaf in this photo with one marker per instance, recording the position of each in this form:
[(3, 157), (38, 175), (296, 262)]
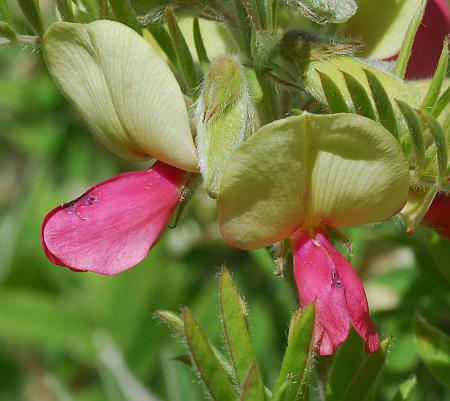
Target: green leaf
[(327, 11), (440, 140), (406, 48), (92, 8), (253, 388), (366, 378), (384, 107), (212, 374), (382, 33), (128, 106), (125, 14), (361, 100), (438, 79), (6, 31), (405, 390), (416, 132), (234, 318), (301, 171), (172, 321), (65, 9), (32, 12), (185, 61), (334, 67), (199, 45), (346, 363), (335, 99), (441, 104), (297, 359), (5, 13), (164, 41), (433, 347)]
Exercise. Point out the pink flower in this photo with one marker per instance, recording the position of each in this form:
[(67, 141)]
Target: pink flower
[(323, 275), (112, 227), (427, 47)]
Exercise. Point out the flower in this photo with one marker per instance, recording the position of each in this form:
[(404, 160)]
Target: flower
[(134, 106), (427, 46), (296, 177), (113, 225), (323, 275)]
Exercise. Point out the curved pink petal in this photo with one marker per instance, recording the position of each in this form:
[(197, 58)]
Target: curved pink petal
[(316, 279), (427, 46), (355, 297), (113, 225)]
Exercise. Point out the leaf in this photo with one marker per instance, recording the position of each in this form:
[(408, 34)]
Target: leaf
[(212, 374), (5, 13), (406, 48), (434, 89), (365, 380), (199, 45), (433, 347), (6, 31), (185, 61), (335, 99), (298, 356), (442, 103), (135, 109), (65, 9), (361, 101), (416, 133), (334, 67), (253, 388), (384, 107), (32, 12), (92, 8), (302, 170), (234, 318), (440, 140), (326, 11), (125, 14), (382, 32), (405, 390), (346, 363)]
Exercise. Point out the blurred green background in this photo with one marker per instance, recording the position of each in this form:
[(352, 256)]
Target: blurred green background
[(77, 336)]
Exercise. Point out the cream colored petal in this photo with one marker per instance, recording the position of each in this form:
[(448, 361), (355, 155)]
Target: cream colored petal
[(337, 170), (123, 89)]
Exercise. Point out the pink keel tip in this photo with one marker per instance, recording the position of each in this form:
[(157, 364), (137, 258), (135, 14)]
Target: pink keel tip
[(112, 227), (323, 275)]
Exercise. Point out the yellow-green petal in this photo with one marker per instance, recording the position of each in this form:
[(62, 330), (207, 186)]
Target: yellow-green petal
[(310, 170), (123, 89), (381, 25)]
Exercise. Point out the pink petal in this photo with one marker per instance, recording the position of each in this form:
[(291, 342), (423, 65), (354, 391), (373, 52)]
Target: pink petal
[(427, 47), (438, 215), (314, 272), (355, 296), (113, 225)]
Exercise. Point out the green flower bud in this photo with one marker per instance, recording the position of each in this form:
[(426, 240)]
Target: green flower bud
[(224, 118)]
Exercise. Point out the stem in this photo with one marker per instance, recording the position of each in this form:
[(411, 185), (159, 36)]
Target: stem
[(26, 40)]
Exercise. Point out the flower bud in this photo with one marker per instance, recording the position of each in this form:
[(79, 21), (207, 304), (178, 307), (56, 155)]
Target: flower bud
[(224, 118)]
